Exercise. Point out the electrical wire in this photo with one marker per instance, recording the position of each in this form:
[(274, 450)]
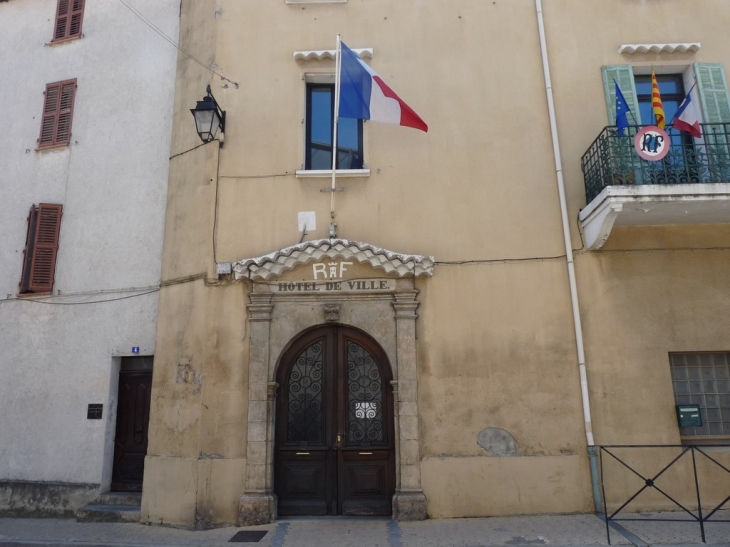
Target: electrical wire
[(256, 176), (80, 303), (497, 260), (173, 43)]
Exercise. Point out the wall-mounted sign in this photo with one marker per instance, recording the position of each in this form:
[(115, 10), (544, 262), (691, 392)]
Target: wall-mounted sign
[(329, 287), (135, 350), (652, 143)]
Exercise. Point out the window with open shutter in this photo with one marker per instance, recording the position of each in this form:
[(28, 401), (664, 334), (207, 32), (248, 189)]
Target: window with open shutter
[(41, 248), (58, 109), (69, 16)]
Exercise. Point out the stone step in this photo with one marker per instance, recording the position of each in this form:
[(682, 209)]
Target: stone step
[(108, 513), (119, 498)]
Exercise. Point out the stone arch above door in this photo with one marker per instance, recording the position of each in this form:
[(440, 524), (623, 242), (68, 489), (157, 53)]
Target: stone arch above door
[(272, 265), (331, 281)]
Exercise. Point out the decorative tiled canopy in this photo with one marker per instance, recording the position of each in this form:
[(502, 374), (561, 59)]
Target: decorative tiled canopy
[(272, 265), (631, 49)]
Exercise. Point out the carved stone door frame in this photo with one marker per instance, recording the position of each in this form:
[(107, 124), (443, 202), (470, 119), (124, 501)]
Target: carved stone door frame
[(277, 318)]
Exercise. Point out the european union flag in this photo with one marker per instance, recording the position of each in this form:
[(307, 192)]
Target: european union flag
[(622, 110)]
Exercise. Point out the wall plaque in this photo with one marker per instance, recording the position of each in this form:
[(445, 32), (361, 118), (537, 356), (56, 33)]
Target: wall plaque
[(338, 287)]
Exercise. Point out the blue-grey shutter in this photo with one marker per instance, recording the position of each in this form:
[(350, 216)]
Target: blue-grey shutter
[(624, 76), (712, 86)]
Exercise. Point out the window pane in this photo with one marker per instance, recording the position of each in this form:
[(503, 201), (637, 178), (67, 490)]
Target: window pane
[(348, 144), (704, 375), (321, 122), (643, 86), (320, 125), (715, 429), (679, 373), (320, 128)]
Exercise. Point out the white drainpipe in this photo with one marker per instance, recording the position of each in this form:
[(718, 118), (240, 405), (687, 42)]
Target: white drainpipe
[(569, 258)]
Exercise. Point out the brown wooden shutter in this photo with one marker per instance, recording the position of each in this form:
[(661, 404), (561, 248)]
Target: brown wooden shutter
[(65, 112), (62, 17), (50, 113), (57, 114), (45, 247), (77, 15), (28, 251), (69, 15)]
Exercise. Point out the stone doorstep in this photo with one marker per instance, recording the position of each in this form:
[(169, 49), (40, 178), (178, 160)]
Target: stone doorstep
[(112, 507), (119, 498)]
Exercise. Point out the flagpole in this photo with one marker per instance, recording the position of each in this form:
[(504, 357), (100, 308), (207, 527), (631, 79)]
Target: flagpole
[(338, 65)]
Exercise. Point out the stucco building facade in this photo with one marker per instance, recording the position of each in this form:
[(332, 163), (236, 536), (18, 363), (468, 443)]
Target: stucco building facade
[(88, 91), (521, 304)]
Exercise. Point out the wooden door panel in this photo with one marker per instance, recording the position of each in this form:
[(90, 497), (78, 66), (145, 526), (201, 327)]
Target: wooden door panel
[(368, 482), (130, 440), (303, 483)]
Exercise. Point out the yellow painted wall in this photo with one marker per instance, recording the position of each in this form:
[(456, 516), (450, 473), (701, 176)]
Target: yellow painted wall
[(496, 345)]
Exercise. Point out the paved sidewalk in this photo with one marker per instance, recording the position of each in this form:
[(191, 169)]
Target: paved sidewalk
[(568, 530)]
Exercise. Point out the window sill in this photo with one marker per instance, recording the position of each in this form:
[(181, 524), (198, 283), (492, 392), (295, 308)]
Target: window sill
[(711, 441), (64, 40), (327, 173), (34, 294), (52, 147)]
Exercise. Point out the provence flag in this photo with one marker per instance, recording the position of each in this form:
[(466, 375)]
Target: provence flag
[(364, 95), (656, 102), (622, 110)]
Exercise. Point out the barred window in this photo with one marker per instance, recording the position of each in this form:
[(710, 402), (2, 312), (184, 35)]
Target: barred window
[(703, 379)]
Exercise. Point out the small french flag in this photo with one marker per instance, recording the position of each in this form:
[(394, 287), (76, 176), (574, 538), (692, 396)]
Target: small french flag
[(365, 96), (686, 117)]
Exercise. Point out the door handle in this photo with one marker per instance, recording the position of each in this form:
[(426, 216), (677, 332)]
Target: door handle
[(302, 453), (365, 453)]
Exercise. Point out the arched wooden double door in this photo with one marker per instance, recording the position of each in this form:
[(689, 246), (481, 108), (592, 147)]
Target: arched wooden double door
[(335, 450)]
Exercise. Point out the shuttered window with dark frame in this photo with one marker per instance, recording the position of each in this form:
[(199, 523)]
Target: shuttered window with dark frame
[(41, 248), (69, 16), (58, 107)]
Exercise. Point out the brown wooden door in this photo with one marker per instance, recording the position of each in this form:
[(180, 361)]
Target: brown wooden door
[(130, 442), (334, 434)]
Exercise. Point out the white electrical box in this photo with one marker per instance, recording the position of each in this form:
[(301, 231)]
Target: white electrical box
[(307, 221)]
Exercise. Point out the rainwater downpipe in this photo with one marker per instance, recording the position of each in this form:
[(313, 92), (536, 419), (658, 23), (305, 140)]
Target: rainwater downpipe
[(571, 266)]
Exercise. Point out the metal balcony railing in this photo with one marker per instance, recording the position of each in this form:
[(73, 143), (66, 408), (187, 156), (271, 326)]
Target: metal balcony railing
[(612, 160)]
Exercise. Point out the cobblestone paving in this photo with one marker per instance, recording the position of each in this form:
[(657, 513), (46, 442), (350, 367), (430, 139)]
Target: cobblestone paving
[(568, 530)]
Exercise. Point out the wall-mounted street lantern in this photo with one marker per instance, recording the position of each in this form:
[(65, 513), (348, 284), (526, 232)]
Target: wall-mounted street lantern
[(209, 118)]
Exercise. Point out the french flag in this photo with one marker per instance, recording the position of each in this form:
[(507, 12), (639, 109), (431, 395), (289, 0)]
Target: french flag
[(365, 96), (686, 118)]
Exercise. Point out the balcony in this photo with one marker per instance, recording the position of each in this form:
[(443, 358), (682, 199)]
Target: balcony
[(691, 185)]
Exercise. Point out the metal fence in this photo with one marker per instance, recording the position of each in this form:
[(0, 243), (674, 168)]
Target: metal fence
[(611, 160), (656, 477)]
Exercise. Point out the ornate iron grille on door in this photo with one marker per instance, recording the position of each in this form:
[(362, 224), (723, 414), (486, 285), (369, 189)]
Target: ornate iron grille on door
[(364, 396), (305, 408)]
